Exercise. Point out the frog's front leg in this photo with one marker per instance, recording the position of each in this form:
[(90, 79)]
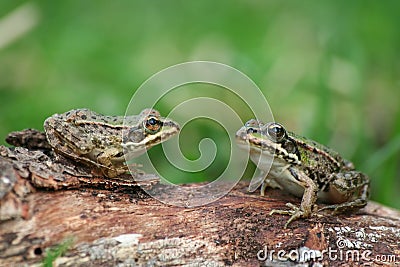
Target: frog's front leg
[(269, 182), (108, 166), (353, 187), (265, 181), (308, 200)]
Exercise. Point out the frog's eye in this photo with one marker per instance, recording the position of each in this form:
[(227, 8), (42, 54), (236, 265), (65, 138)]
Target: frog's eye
[(276, 132), (152, 124)]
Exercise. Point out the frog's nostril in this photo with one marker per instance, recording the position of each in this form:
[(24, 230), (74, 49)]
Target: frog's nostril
[(251, 130)]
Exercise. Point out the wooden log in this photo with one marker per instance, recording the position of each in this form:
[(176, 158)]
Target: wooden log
[(53, 208), (128, 228)]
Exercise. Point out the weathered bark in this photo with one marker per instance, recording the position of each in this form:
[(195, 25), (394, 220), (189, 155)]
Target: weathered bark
[(110, 228), (111, 223)]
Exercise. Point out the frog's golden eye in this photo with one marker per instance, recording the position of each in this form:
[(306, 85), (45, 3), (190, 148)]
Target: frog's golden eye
[(276, 131), (152, 124)]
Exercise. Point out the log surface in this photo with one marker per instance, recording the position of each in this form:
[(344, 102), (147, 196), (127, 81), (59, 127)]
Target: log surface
[(127, 228), (46, 203)]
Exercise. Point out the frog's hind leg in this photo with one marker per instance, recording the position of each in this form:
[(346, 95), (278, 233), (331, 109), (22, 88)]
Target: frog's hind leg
[(353, 184)]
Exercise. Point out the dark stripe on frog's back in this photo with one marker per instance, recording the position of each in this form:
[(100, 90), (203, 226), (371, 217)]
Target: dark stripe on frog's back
[(103, 131), (312, 148), (318, 161), (92, 118)]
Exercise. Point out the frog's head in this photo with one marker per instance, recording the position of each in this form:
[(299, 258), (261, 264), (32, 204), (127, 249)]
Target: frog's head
[(269, 140), (149, 130)]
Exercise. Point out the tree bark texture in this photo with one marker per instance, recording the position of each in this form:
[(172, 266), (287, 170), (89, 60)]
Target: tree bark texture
[(102, 222)]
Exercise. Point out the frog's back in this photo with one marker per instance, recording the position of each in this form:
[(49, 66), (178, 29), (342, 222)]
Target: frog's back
[(318, 156)]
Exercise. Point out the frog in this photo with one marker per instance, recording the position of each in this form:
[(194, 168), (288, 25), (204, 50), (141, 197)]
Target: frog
[(303, 168), (106, 142)]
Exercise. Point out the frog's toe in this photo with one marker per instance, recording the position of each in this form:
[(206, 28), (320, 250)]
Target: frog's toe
[(296, 215), (294, 211), (284, 212), (329, 207), (344, 207)]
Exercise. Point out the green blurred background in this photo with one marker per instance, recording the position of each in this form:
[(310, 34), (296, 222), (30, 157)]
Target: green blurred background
[(329, 69)]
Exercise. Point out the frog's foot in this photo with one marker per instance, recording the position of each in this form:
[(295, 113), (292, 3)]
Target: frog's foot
[(112, 172), (295, 212), (346, 206)]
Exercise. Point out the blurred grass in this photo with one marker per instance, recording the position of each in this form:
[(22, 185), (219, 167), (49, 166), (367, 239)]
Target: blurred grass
[(329, 70)]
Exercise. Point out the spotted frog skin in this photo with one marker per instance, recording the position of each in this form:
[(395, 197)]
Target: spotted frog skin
[(303, 168), (101, 141)]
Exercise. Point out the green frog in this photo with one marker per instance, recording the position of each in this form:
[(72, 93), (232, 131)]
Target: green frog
[(303, 168), (104, 142)]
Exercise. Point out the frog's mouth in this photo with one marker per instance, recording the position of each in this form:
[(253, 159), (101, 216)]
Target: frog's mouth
[(242, 140), (253, 143), (154, 139)]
